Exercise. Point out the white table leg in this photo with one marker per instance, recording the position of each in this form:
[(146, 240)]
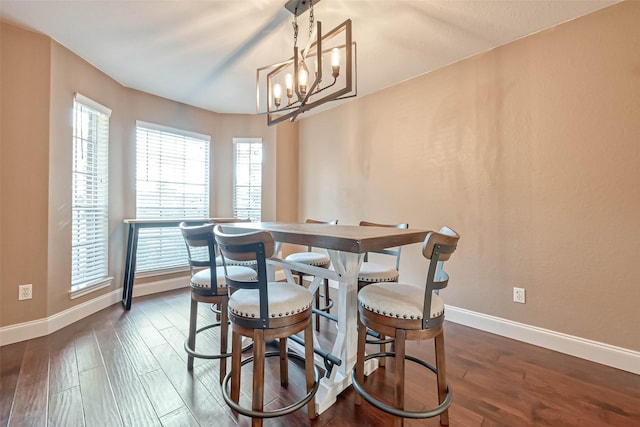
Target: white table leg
[(347, 265)]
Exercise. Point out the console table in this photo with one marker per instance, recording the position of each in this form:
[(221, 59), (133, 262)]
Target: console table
[(132, 246)]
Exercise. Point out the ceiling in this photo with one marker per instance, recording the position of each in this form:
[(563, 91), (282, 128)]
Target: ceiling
[(205, 53)]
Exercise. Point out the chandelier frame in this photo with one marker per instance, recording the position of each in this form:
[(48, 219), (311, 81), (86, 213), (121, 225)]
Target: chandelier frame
[(302, 98)]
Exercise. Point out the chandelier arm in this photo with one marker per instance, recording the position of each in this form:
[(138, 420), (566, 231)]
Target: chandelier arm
[(326, 87), (292, 106)]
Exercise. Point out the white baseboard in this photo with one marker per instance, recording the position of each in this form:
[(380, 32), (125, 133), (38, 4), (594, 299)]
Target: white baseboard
[(160, 286), (41, 327), (605, 354)]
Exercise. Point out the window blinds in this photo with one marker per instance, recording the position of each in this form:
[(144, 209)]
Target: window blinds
[(247, 194), (90, 193), (172, 181)]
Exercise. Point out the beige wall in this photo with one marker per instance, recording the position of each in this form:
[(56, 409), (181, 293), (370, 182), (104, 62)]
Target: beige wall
[(531, 151), (287, 161), (39, 79), (24, 143)]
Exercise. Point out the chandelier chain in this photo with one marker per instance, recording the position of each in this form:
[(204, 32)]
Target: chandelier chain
[(311, 18), (295, 30)]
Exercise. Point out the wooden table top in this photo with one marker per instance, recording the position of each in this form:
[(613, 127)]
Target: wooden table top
[(349, 238)]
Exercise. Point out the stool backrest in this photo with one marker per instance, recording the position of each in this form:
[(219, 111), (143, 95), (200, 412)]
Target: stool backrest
[(227, 221), (394, 252), (201, 250), (437, 247), (252, 246)]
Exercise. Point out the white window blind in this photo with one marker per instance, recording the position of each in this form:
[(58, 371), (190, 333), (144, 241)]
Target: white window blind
[(172, 181), (247, 192), (90, 194)]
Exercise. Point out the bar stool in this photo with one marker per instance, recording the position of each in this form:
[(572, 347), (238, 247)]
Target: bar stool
[(201, 253), (372, 272), (264, 311), (316, 259), (408, 312)]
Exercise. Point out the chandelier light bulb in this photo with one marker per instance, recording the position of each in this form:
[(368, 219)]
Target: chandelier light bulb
[(335, 62), (302, 80), (288, 82), (277, 94), (335, 57)]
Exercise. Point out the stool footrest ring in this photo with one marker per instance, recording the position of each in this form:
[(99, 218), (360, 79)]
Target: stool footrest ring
[(194, 353), (378, 340), (396, 411), (327, 307), (381, 341), (277, 412), (215, 310)]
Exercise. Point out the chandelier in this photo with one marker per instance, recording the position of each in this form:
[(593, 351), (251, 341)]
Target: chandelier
[(324, 70)]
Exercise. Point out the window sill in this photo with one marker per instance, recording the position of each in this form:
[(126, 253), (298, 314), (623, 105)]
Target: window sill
[(91, 288)]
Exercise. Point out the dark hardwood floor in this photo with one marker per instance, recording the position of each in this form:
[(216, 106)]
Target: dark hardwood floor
[(118, 368)]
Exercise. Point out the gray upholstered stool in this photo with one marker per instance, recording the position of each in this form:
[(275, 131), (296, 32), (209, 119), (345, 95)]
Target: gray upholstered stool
[(408, 312), (208, 285), (264, 311), (373, 272)]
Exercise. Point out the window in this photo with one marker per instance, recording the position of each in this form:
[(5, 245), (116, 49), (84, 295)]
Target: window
[(90, 194), (172, 181), (247, 188)]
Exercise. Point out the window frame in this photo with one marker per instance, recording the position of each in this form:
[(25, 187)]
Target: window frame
[(241, 212), (168, 239), (89, 249)]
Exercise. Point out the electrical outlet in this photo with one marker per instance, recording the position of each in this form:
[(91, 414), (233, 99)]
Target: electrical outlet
[(24, 292), (518, 295)]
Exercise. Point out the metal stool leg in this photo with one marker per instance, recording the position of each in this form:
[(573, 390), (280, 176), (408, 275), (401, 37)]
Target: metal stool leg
[(193, 319)]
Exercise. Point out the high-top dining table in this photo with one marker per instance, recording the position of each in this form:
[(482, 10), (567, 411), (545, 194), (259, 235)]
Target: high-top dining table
[(346, 246)]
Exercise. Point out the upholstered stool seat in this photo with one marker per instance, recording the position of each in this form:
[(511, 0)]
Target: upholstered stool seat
[(408, 312), (398, 301), (371, 272), (202, 279), (285, 299), (310, 258)]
